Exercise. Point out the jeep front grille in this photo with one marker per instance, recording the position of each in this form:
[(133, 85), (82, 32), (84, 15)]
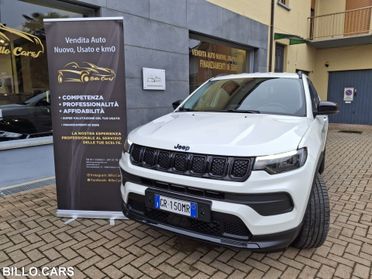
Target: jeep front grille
[(192, 164)]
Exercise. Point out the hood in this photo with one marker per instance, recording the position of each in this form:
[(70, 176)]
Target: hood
[(234, 134)]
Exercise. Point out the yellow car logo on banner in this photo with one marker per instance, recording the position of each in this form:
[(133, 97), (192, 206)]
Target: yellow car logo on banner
[(85, 72), (7, 34)]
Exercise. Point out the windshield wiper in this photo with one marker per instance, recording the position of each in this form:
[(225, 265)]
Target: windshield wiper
[(244, 111)]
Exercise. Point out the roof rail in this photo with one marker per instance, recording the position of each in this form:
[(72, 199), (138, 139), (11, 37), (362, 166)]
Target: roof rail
[(222, 74), (299, 74)]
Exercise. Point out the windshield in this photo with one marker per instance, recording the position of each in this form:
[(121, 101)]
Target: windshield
[(253, 95)]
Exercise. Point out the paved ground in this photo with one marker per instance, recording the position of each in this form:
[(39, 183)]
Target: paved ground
[(31, 235)]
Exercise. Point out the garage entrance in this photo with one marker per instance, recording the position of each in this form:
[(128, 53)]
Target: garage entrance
[(355, 111)]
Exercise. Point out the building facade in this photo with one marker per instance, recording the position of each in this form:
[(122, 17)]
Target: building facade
[(163, 34), (192, 40), (329, 40)]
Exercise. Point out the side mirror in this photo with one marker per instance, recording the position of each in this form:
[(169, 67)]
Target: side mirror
[(176, 104), (327, 108)]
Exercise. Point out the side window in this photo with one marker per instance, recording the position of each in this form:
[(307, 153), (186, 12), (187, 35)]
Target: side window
[(313, 95)]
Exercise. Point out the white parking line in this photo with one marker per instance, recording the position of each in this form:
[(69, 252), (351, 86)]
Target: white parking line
[(26, 183)]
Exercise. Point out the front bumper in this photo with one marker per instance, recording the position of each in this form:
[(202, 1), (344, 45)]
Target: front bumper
[(223, 228), (208, 231), (259, 228)]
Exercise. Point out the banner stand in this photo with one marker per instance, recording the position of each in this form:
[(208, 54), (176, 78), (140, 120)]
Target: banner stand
[(88, 106), (116, 215)]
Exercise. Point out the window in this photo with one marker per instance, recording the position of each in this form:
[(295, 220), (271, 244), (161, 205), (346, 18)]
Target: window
[(279, 57), (24, 85), (210, 58), (284, 4)]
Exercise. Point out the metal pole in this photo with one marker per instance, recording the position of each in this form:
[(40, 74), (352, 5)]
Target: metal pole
[(271, 40)]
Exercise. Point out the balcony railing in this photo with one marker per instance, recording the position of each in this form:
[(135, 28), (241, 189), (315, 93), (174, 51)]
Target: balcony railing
[(340, 25)]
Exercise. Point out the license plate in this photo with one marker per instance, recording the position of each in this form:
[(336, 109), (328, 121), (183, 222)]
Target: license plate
[(177, 206)]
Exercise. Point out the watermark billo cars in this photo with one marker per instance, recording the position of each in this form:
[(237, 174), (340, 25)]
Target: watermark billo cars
[(237, 163)]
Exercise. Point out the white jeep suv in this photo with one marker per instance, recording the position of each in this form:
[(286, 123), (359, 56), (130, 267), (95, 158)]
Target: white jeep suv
[(237, 163)]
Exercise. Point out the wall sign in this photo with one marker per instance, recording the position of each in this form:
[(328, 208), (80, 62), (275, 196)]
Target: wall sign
[(153, 79), (349, 94), (86, 76), (36, 47), (209, 58)]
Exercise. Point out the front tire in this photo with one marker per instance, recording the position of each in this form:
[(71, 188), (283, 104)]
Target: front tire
[(322, 164), (316, 220)]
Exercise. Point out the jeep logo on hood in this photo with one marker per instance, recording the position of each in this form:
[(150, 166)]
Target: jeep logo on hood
[(182, 147)]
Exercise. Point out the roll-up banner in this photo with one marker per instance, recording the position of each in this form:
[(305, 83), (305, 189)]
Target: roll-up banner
[(88, 103)]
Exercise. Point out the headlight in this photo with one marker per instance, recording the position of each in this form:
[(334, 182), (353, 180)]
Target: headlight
[(283, 162), (127, 145)]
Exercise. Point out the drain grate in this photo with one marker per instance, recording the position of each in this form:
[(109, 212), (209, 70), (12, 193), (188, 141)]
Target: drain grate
[(350, 132), (26, 187)]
